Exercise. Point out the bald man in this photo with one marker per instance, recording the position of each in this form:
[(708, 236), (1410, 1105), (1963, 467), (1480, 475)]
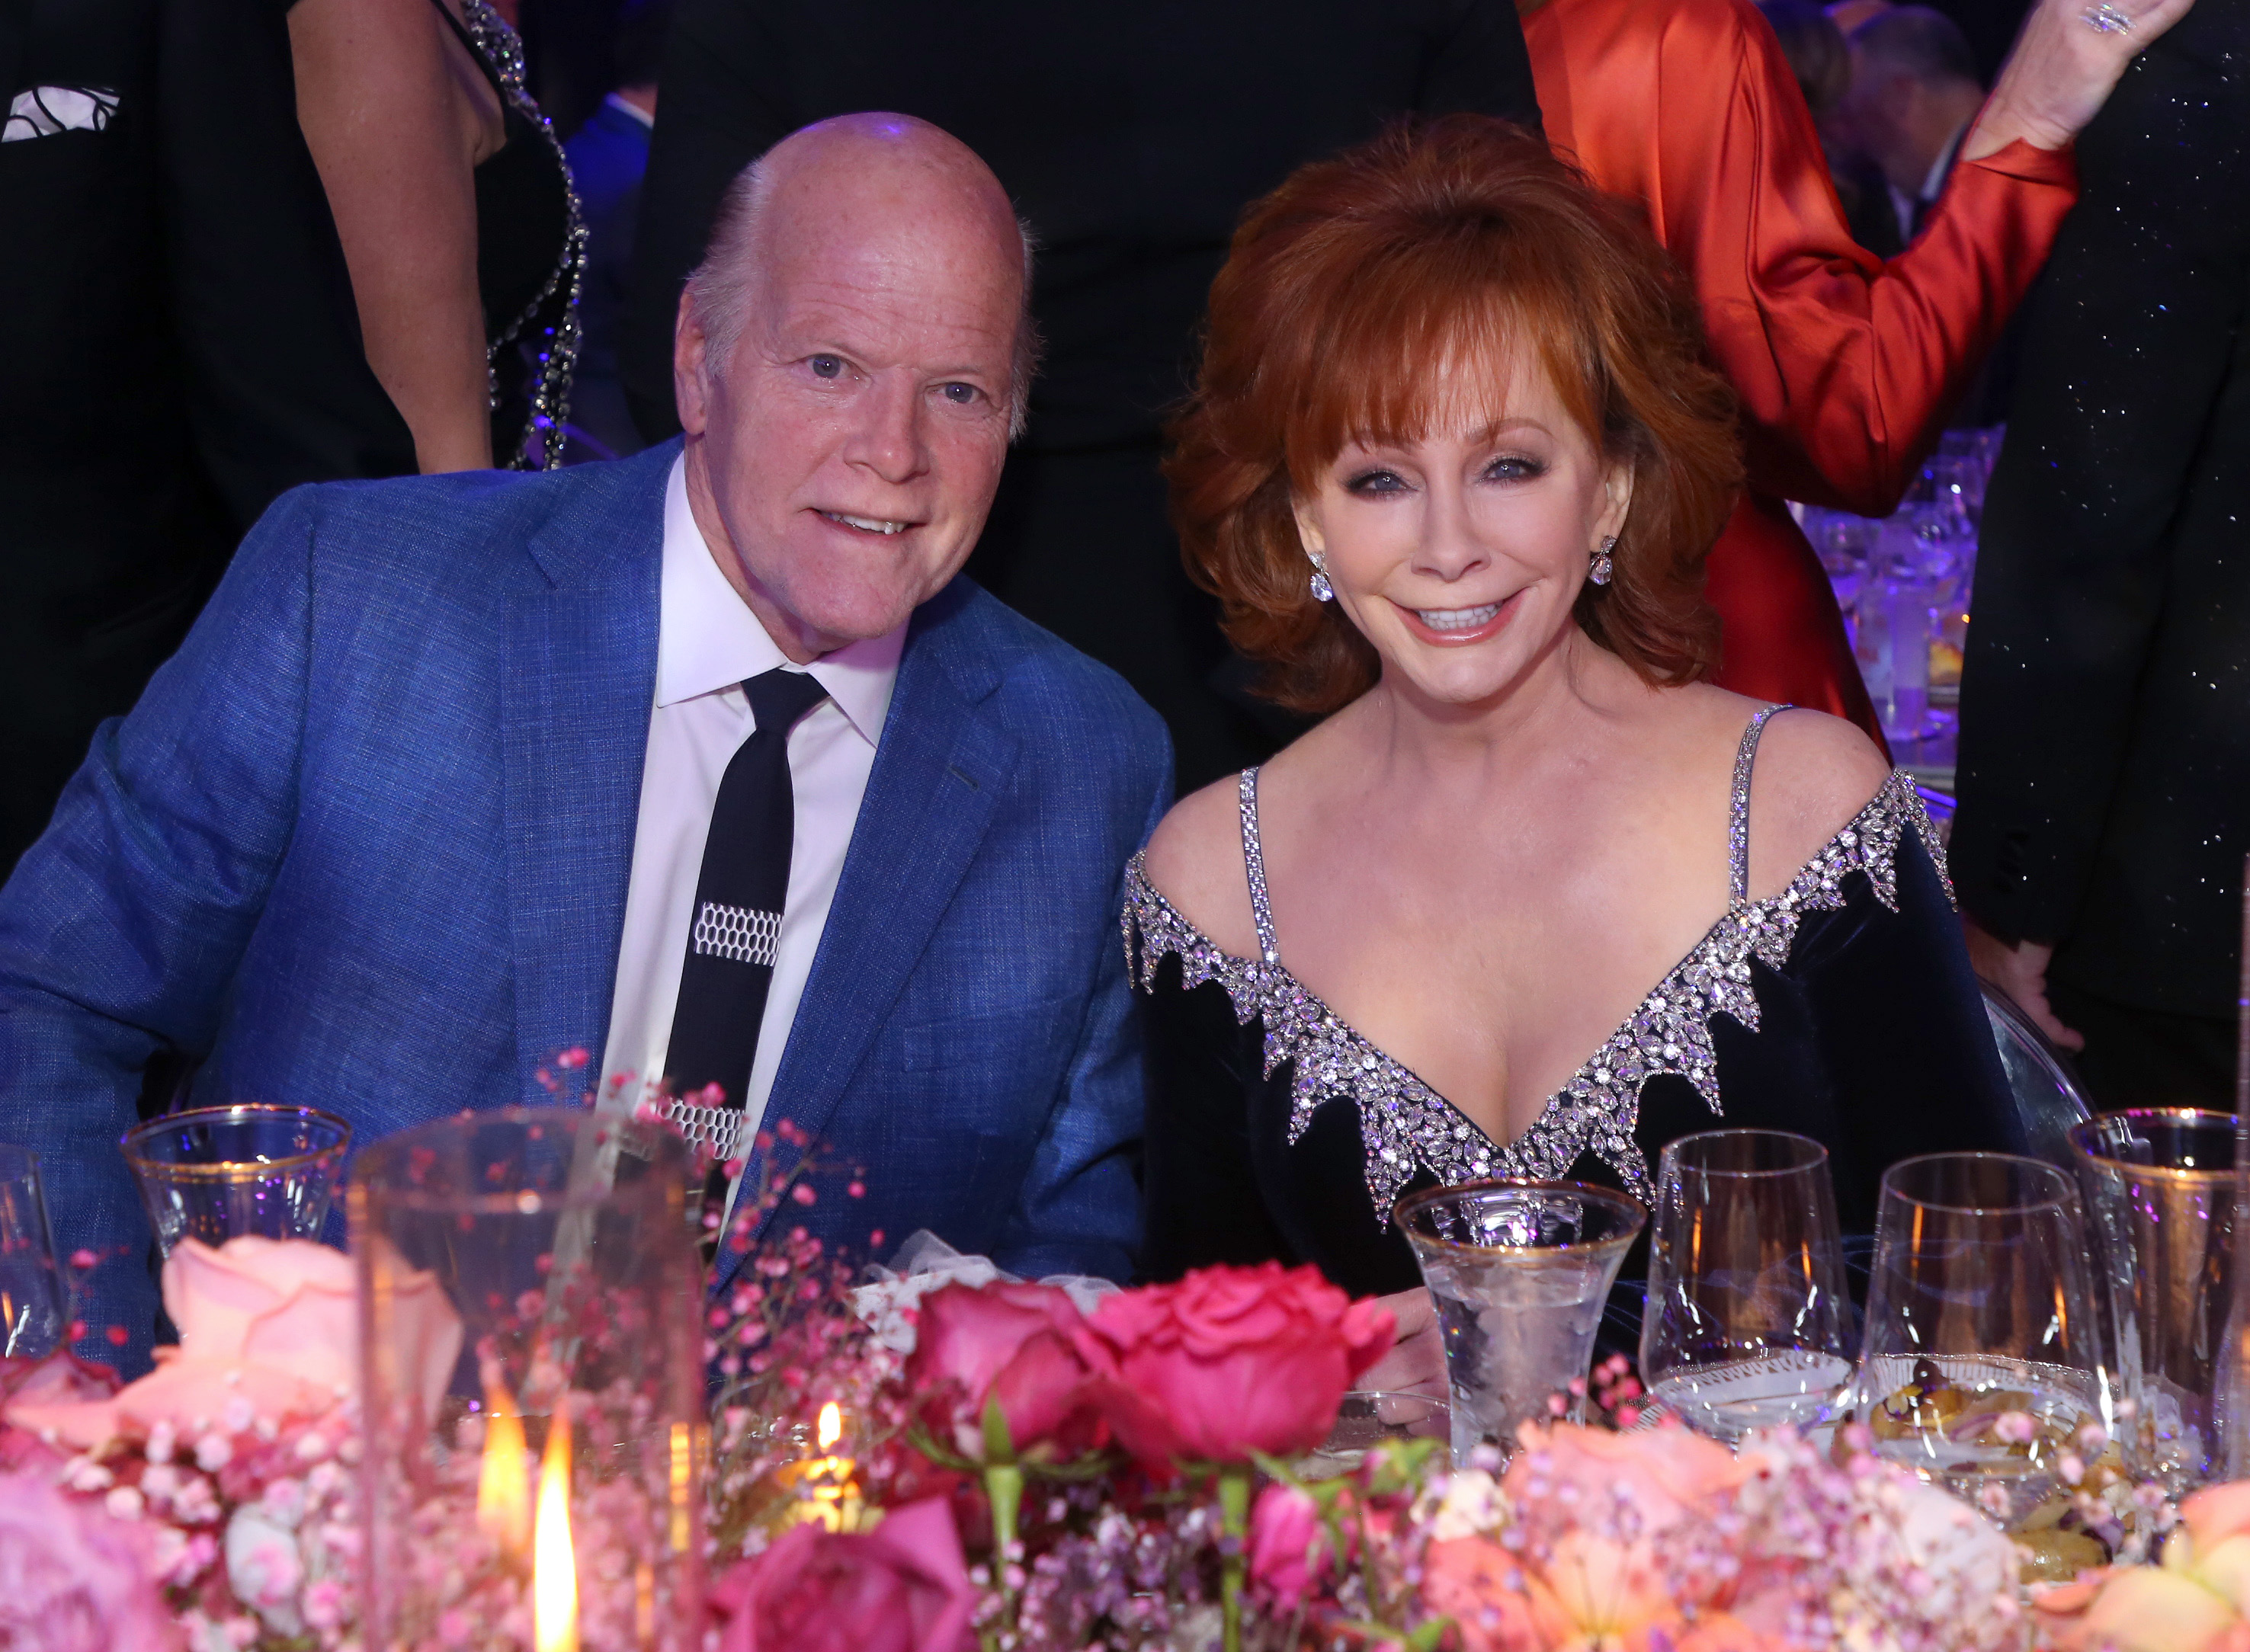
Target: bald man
[(706, 763)]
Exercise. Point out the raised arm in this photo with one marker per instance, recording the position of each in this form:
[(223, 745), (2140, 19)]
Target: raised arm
[(121, 928), (397, 116)]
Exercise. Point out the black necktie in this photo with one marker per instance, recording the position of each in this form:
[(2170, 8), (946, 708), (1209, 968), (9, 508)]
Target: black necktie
[(739, 898)]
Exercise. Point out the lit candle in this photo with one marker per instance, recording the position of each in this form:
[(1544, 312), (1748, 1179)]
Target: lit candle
[(835, 1499), (504, 1478), (554, 1568)]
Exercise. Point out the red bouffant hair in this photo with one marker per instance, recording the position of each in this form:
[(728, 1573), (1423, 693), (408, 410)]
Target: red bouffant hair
[(1457, 241)]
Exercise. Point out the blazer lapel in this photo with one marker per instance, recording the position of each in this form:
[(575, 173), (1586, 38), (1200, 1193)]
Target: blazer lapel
[(582, 658), (939, 774)]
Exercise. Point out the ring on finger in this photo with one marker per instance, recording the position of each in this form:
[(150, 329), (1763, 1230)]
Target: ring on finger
[(2104, 18)]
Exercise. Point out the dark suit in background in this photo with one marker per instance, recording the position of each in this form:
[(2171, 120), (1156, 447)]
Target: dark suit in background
[(1131, 136), (179, 345), (2105, 750), (608, 155)]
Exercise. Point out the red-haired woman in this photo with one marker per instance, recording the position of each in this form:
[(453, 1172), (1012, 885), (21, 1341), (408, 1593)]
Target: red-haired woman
[(1534, 898), (1846, 367)]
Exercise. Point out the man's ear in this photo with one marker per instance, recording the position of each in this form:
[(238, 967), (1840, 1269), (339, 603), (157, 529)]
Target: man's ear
[(690, 378)]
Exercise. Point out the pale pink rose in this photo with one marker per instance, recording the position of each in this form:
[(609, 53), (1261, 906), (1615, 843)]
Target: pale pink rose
[(1718, 1632), (73, 1580), (2197, 1601), (1661, 1472)]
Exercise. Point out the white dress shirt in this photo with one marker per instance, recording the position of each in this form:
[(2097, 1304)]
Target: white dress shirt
[(708, 643)]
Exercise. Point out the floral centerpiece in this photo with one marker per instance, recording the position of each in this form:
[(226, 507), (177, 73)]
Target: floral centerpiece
[(1029, 1475)]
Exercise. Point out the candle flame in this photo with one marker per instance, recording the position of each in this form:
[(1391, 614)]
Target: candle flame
[(554, 1568), (830, 1429), (504, 1481)]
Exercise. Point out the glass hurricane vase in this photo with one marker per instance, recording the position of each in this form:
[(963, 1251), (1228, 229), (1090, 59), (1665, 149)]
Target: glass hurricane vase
[(533, 1386)]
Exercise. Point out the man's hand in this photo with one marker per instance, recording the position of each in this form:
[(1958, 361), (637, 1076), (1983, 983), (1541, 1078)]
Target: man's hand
[(2020, 972), (1415, 1363)]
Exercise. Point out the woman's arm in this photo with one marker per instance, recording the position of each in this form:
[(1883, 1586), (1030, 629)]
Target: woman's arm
[(396, 132)]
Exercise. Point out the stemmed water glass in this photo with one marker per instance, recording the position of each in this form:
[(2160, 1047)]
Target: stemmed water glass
[(1982, 1369), (1748, 1321)]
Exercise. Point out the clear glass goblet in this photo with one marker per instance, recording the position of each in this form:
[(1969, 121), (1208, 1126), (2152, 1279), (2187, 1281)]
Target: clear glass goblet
[(1748, 1323), (214, 1173), (1982, 1369), (1519, 1272)]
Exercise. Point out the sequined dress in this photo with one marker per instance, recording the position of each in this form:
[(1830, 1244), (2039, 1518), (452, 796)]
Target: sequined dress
[(1842, 1007)]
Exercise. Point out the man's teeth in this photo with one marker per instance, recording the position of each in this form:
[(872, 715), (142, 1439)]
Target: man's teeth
[(865, 524), (1456, 619)]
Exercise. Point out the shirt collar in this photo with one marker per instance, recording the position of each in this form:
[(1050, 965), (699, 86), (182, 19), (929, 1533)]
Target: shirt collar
[(708, 639)]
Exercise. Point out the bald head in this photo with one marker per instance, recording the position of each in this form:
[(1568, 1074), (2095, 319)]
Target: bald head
[(862, 186)]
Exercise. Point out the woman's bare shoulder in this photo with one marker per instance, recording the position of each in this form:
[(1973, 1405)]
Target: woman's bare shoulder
[(1195, 862), (1814, 773)]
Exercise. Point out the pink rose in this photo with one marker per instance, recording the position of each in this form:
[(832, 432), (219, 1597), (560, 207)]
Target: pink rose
[(1012, 1343), (2197, 1601), (272, 1321), (1290, 1548), (901, 1588), (1229, 1361), (1662, 1472), (73, 1580)]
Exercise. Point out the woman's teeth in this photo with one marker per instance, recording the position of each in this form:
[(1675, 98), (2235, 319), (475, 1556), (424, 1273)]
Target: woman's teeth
[(1456, 619), (865, 524)]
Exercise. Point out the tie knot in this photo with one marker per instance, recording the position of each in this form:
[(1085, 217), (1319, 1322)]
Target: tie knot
[(778, 698)]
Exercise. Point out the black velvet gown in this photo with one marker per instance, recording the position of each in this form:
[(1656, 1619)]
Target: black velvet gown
[(1842, 1008)]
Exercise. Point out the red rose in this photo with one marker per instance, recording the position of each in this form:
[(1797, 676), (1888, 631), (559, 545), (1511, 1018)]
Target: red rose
[(1013, 1343), (901, 1588), (1229, 1361)]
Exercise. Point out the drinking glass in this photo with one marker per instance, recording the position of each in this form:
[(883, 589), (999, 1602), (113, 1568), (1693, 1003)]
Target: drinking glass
[(1519, 1272), (1748, 1321), (34, 1302), (1982, 1365), (216, 1172), (2159, 1187)]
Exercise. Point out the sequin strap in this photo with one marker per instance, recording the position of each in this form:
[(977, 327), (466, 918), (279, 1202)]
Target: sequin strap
[(1738, 823), (1253, 863)]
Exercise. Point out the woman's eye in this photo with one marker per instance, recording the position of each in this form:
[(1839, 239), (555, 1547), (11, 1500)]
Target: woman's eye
[(960, 395), (1376, 483), (1514, 467), (826, 366)]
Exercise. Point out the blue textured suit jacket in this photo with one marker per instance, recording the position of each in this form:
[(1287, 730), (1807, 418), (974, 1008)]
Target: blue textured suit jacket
[(364, 845)]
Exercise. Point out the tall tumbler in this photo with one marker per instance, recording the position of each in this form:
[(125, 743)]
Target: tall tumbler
[(1519, 1272), (2160, 1194), (533, 1385), (215, 1173), (34, 1299)]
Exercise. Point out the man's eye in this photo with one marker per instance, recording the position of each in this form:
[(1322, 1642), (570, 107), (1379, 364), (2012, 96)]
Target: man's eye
[(960, 395), (827, 366)]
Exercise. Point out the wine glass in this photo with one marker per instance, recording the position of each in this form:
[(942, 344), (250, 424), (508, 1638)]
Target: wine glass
[(216, 1172), (34, 1301), (1520, 1272), (1982, 1369), (1749, 1321)]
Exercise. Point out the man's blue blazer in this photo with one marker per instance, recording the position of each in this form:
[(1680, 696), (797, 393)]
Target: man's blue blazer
[(364, 844)]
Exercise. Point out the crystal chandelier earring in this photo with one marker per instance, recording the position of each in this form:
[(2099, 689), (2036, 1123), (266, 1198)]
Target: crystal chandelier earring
[(1599, 573), (1322, 591)]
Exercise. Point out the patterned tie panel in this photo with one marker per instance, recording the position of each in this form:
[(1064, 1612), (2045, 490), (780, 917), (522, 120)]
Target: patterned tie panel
[(737, 932)]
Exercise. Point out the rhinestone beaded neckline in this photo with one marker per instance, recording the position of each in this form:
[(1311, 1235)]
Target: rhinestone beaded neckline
[(1405, 1124)]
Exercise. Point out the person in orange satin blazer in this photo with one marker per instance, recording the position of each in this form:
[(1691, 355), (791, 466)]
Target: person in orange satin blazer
[(1846, 366)]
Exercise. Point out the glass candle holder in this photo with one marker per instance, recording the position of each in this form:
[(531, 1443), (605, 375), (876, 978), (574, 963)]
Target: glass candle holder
[(217, 1173), (1520, 1272), (533, 1386), (2159, 1188)]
